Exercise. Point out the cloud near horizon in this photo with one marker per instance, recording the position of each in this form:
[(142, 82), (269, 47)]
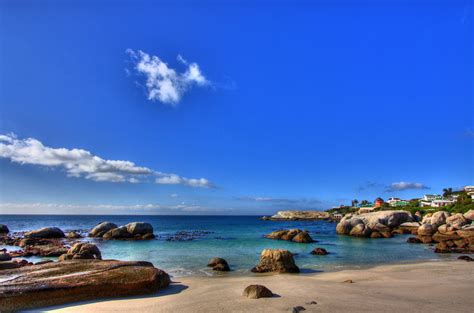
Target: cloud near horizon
[(400, 186), (164, 83), (82, 163)]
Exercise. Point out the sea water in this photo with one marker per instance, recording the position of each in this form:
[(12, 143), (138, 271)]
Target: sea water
[(238, 239)]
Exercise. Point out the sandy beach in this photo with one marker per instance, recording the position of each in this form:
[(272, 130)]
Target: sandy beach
[(444, 286)]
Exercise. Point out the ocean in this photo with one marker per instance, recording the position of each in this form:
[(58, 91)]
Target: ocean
[(238, 239)]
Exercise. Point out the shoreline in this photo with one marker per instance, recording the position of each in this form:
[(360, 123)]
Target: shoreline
[(437, 286)]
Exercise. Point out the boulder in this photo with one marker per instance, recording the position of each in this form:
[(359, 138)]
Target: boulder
[(409, 228), (5, 257), (360, 230), (319, 251), (439, 218), (4, 229), (73, 235), (426, 230), (77, 280), (219, 264), (101, 229), (276, 260), (456, 221), (82, 250), (47, 232), (257, 291), (295, 235), (139, 228), (469, 215), (117, 233)]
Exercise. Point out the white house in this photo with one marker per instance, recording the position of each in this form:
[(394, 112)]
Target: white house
[(430, 198), (441, 202), (470, 191)]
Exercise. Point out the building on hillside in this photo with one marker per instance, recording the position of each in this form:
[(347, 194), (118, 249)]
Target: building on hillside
[(437, 203), (430, 198), (394, 202), (470, 191)]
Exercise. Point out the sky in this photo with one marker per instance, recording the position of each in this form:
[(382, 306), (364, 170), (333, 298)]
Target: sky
[(231, 107)]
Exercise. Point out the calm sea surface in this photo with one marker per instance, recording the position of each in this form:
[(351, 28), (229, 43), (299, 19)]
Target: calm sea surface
[(238, 239)]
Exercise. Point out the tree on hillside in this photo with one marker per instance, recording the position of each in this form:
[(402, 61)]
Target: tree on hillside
[(363, 202), (447, 192), (355, 202)]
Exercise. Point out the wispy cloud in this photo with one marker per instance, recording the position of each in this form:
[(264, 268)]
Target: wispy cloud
[(369, 185), (164, 83), (400, 186), (60, 208), (82, 163)]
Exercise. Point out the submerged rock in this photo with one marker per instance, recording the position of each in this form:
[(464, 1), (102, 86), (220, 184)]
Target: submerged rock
[(219, 264), (276, 260), (47, 232), (319, 251), (257, 291), (295, 235), (77, 280), (82, 250)]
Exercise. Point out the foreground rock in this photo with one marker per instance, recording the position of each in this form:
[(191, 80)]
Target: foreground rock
[(81, 250), (277, 261), (374, 224), (299, 216), (295, 235), (219, 264), (131, 231), (257, 291), (4, 229), (78, 280), (47, 232)]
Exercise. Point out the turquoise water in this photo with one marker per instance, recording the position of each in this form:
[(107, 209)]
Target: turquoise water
[(238, 239)]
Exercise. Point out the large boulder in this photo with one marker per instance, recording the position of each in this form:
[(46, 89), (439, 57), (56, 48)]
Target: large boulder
[(426, 230), (117, 233), (439, 218), (4, 229), (456, 221), (139, 228), (295, 235), (276, 260), (101, 229), (82, 250), (219, 264), (77, 280), (469, 215), (383, 222), (47, 232), (257, 291)]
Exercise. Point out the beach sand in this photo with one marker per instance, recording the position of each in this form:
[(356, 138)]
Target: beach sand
[(445, 286)]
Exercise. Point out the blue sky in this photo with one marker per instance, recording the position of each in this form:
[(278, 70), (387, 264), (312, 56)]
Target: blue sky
[(250, 107)]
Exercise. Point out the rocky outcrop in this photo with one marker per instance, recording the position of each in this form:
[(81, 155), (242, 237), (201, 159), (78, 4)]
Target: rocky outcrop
[(47, 232), (299, 216), (131, 231), (39, 247), (381, 222), (82, 250), (276, 260), (219, 264), (295, 235), (319, 251), (73, 235), (101, 229), (77, 280), (257, 291), (4, 229)]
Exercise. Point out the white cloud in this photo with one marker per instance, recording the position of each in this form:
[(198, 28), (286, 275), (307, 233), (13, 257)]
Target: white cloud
[(82, 163), (60, 208), (164, 83), (405, 186)]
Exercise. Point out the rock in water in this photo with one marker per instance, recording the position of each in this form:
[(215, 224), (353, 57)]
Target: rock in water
[(4, 229), (276, 260), (73, 235), (219, 264), (82, 250), (47, 232), (300, 215), (257, 291), (101, 229), (319, 251), (295, 235), (139, 228), (77, 280)]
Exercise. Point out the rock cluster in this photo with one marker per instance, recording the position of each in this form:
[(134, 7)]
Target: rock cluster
[(295, 235), (257, 291), (131, 231), (36, 247), (298, 216), (82, 250), (219, 264), (276, 260), (77, 280), (375, 224)]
